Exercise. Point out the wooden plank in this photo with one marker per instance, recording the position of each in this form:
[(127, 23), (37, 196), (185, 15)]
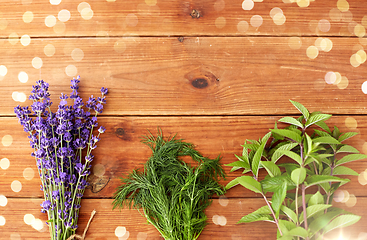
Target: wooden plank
[(199, 76), (222, 217), (173, 18), (120, 149)]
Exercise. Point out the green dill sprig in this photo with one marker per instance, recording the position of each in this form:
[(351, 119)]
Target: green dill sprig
[(172, 193)]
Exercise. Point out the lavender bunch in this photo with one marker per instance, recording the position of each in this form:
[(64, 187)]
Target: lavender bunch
[(63, 142)]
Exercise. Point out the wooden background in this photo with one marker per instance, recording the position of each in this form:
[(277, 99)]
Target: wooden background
[(216, 72)]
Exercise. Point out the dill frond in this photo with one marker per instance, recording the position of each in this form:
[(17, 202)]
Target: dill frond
[(172, 193)]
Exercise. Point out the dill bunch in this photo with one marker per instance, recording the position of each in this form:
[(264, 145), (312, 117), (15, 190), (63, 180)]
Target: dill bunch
[(172, 194)]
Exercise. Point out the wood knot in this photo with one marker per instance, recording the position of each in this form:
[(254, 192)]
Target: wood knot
[(195, 13), (200, 83), (202, 78)]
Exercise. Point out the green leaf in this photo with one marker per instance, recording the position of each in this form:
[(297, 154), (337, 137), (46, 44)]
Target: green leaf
[(314, 209), (340, 170), (232, 183), (317, 179), (292, 121), (320, 222), (295, 232), (321, 133), (347, 149), (272, 169), (298, 175), (277, 154), (242, 163), (289, 212), (346, 135), (288, 134), (317, 198), (350, 158), (308, 144), (247, 182), (326, 140), (317, 118), (271, 184), (261, 214), (301, 108), (342, 221), (278, 198), (255, 164), (324, 126), (266, 137), (286, 226), (292, 155)]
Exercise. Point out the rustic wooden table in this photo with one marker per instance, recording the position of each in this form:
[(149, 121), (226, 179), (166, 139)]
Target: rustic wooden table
[(216, 72)]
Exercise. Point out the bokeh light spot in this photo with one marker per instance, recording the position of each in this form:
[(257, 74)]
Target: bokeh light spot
[(37, 224), (242, 26), (23, 77), (3, 201), (87, 13), (13, 38), (223, 201), (59, 27), (28, 17), (351, 123), (342, 5), (25, 40), (83, 5), (71, 71), (16, 186), (220, 22), (219, 5), (330, 77), (4, 163), (3, 70), (50, 21), (37, 62), (248, 5), (324, 25), (64, 15), (7, 140), (256, 21), (312, 52), (77, 54), (55, 2), (131, 20), (49, 50), (359, 30), (28, 173), (120, 231), (28, 219), (119, 46), (352, 201), (142, 236), (99, 170), (344, 82), (2, 221)]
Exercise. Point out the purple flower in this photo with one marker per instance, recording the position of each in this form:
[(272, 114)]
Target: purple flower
[(60, 140), (46, 205), (101, 129), (104, 91)]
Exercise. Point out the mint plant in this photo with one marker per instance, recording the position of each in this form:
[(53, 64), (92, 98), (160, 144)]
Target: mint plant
[(301, 189)]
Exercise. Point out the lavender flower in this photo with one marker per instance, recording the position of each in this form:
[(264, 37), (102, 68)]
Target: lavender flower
[(60, 140)]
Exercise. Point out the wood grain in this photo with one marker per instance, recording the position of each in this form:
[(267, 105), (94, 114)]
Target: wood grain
[(120, 149), (106, 221), (199, 76), (173, 18)]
